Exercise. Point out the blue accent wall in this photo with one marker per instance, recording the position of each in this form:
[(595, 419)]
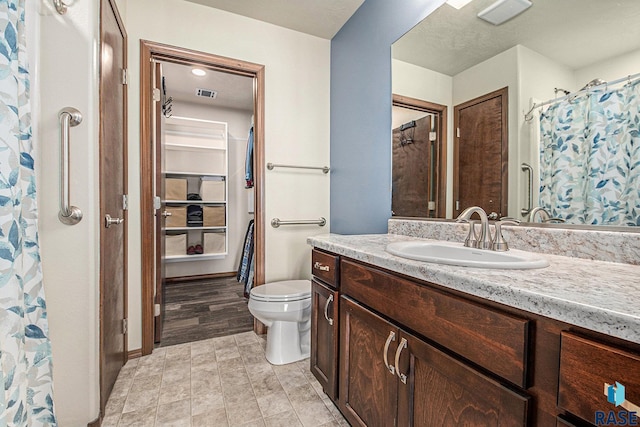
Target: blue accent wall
[(361, 112)]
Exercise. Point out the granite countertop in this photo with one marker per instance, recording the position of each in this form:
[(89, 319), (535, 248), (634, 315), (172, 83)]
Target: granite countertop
[(596, 295)]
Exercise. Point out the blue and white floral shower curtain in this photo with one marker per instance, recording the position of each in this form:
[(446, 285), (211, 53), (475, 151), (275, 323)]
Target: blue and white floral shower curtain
[(590, 158), (25, 349)]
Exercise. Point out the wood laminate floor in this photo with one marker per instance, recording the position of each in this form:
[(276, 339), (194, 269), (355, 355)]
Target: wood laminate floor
[(204, 309)]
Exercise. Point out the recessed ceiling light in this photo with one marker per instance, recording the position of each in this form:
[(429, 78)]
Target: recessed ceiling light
[(198, 72), (458, 4)]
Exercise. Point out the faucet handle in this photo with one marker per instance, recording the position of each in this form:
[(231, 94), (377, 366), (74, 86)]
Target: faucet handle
[(472, 238), (499, 242)]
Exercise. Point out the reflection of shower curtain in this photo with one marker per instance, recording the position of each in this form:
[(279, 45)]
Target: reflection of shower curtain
[(590, 158), (25, 350)]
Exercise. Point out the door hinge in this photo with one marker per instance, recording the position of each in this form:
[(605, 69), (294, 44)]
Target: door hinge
[(124, 326), (156, 94), (458, 132), (125, 76), (157, 202), (457, 205), (156, 310), (125, 202)]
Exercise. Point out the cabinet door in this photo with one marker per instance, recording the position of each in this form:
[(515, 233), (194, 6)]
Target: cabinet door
[(435, 389), (368, 389), (324, 337)]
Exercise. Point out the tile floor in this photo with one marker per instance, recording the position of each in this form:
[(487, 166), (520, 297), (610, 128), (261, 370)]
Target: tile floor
[(218, 382)]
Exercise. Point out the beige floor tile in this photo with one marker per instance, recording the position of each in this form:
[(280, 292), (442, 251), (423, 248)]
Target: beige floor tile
[(313, 414), (204, 360), (111, 420), (206, 403), (213, 418), (286, 419), (115, 405), (145, 417), (243, 411), (245, 337), (224, 342), (205, 382), (172, 391), (180, 351), (174, 414), (143, 394), (331, 424), (204, 346), (290, 377), (254, 423), (266, 383), (227, 353), (274, 403)]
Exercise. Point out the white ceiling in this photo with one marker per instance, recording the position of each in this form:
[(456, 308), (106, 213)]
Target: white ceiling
[(233, 91), (322, 18), (575, 33)]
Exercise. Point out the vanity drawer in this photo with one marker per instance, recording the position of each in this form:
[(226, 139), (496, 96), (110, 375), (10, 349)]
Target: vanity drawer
[(325, 267), (489, 338), (585, 367)]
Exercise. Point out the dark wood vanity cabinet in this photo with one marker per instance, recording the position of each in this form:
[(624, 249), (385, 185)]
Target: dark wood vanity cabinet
[(405, 352), (388, 377), (324, 321)]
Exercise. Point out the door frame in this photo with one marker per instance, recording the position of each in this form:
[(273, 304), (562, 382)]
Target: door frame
[(504, 93), (148, 52), (440, 111)]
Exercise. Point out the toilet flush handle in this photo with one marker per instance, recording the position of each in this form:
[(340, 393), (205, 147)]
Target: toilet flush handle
[(326, 310)]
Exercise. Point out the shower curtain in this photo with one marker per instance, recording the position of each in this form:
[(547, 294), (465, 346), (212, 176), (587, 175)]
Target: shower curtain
[(590, 158), (25, 349)]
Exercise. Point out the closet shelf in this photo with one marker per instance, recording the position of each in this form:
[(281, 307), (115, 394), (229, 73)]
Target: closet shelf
[(191, 147), (220, 229), (195, 202), (172, 174), (200, 257)]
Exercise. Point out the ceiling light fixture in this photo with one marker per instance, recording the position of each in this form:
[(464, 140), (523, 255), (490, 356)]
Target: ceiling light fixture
[(504, 10), (458, 4), (198, 72)]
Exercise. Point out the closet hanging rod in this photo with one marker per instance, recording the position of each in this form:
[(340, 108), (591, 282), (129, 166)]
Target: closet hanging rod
[(276, 222), (324, 169), (528, 116)]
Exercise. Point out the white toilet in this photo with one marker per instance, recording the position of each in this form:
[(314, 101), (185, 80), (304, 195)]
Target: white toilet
[(285, 308)]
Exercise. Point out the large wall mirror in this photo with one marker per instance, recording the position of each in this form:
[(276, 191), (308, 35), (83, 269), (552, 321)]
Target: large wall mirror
[(465, 132)]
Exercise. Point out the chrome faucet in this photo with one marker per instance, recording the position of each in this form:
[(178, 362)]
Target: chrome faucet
[(483, 241), (539, 211)]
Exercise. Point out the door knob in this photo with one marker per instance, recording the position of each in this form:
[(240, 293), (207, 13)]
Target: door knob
[(108, 221), (166, 214)]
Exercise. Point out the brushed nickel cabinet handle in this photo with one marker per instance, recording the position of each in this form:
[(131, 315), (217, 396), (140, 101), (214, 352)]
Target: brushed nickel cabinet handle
[(109, 221), (391, 337), (320, 267), (326, 310), (403, 345)]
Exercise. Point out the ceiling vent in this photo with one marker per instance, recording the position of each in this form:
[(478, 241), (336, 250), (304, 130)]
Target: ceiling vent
[(503, 10), (206, 93)]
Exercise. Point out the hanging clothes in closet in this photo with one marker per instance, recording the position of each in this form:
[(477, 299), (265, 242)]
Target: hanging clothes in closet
[(245, 269), (248, 175)]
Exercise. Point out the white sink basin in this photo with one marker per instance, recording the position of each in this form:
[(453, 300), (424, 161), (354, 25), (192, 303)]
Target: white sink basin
[(454, 253)]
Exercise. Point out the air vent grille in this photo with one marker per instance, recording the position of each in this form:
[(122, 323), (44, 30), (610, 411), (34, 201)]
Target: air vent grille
[(206, 93)]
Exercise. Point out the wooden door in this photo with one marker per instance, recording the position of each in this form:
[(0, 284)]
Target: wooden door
[(414, 170), (113, 186), (160, 214), (481, 154), (367, 394), (440, 390), (324, 337)]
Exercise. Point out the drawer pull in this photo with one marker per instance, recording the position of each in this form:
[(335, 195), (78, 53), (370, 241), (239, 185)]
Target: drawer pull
[(326, 309), (391, 337), (320, 267), (403, 345)]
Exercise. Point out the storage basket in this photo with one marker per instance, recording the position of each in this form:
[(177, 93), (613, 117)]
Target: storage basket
[(175, 189), (175, 244), (214, 243), (178, 217), (212, 190), (214, 216)]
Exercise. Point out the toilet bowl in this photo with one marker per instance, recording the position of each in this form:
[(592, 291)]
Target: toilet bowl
[(285, 308)]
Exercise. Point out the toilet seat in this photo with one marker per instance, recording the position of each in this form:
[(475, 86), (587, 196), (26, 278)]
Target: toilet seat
[(288, 290)]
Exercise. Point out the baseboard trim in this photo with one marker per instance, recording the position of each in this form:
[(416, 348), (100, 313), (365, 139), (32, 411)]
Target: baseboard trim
[(95, 423), (134, 354), (180, 279)]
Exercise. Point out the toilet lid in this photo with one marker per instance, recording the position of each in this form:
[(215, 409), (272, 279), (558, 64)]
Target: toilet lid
[(288, 290)]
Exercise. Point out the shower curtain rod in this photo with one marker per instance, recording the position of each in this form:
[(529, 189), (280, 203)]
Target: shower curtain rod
[(528, 116)]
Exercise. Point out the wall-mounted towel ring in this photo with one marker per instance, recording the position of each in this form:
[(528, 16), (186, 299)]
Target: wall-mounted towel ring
[(61, 7)]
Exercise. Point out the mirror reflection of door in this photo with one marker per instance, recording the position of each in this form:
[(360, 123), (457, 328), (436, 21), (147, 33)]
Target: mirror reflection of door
[(418, 155), (481, 154)]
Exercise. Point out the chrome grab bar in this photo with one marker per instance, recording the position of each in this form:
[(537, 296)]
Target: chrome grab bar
[(276, 222), (326, 310), (68, 117), (391, 337), (527, 168), (324, 169), (403, 345), (61, 7)]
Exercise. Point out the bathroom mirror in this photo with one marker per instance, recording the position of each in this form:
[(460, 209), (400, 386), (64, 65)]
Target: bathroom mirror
[(454, 59)]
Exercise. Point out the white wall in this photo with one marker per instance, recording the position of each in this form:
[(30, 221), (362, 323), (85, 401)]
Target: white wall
[(238, 122), (610, 69), (428, 85), (67, 76), (296, 128)]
